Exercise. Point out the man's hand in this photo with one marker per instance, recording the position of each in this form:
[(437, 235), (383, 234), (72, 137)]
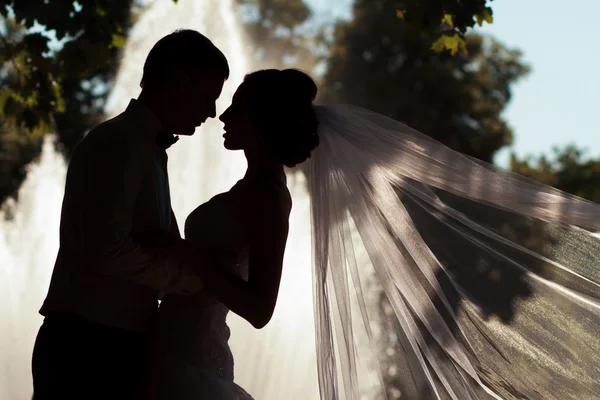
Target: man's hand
[(158, 239), (205, 260), (163, 242)]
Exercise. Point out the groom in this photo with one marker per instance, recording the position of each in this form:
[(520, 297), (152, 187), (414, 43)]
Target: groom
[(104, 287)]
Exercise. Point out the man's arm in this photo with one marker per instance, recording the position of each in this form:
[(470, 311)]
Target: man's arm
[(113, 189)]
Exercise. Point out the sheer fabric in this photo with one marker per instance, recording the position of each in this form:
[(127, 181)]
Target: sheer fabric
[(490, 281)]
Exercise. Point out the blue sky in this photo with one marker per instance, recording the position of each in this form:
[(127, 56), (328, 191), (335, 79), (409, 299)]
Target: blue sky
[(559, 102)]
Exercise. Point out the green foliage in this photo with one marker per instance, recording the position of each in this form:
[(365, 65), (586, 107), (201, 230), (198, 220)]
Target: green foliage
[(57, 60), (35, 94), (17, 149), (567, 170), (388, 67), (449, 19)]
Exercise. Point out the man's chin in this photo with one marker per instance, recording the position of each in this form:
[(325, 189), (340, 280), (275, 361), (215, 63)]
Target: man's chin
[(185, 131)]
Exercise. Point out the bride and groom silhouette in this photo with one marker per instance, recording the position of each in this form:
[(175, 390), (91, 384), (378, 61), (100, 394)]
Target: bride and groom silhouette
[(105, 336)]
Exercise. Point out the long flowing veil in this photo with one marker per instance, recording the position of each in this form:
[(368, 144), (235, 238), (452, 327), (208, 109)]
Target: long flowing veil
[(490, 281)]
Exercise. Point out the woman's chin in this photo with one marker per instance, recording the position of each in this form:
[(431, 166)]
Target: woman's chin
[(229, 144)]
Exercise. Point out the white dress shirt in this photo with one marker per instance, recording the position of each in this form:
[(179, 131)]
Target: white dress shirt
[(117, 185)]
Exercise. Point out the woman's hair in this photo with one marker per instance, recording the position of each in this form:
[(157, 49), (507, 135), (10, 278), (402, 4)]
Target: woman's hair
[(281, 105), (186, 50)]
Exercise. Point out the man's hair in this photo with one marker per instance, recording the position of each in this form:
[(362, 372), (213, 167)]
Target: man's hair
[(185, 50)]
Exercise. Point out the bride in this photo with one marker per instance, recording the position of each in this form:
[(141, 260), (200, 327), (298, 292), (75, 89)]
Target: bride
[(446, 236), (190, 354)]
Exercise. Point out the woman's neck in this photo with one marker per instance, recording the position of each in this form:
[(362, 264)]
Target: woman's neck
[(263, 168)]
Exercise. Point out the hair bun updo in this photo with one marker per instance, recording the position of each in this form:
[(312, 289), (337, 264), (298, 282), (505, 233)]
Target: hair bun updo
[(282, 107), (300, 84)]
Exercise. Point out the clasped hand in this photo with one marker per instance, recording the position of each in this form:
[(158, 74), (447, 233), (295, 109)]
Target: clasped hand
[(203, 259)]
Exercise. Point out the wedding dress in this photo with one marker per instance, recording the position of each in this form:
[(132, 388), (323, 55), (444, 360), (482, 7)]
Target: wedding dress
[(190, 355)]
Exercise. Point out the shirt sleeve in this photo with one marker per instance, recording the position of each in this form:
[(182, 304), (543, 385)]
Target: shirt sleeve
[(113, 181)]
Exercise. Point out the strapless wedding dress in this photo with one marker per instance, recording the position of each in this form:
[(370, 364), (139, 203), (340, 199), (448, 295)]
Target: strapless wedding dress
[(190, 355)]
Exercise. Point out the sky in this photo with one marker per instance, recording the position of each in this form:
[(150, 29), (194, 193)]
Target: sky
[(559, 102)]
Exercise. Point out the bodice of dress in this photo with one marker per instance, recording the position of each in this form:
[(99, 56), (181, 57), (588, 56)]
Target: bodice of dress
[(193, 328)]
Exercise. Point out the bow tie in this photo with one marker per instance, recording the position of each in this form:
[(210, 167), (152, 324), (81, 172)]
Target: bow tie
[(164, 140)]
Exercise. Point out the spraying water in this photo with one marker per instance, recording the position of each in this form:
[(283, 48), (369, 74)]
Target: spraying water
[(276, 362)]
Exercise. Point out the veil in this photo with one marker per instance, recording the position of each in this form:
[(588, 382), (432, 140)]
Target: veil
[(437, 276)]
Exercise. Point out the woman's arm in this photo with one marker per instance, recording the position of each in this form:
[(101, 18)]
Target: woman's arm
[(255, 299)]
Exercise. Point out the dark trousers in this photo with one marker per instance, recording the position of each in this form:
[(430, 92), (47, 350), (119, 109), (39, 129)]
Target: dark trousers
[(76, 359)]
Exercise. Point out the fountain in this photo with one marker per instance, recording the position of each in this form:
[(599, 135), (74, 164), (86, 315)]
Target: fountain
[(28, 246), (276, 362)]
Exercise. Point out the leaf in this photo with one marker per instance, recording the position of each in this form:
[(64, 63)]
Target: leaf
[(484, 15), (57, 93), (118, 41), (452, 42), (400, 13), (448, 19)]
